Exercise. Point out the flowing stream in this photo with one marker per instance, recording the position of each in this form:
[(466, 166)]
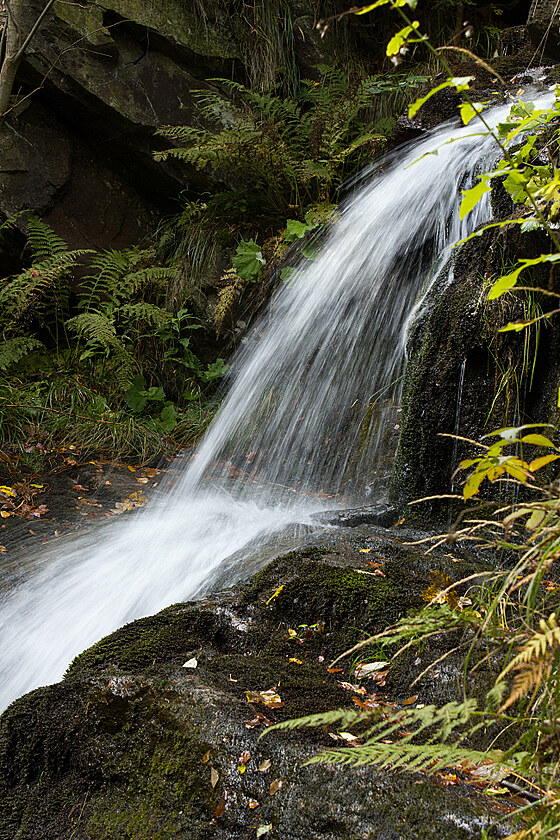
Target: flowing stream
[(303, 424)]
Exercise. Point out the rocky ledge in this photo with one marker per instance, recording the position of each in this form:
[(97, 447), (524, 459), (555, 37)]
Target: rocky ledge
[(152, 735)]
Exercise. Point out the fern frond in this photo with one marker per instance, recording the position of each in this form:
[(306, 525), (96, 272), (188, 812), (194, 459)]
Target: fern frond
[(18, 292), (15, 349), (136, 281), (344, 717), (43, 241), (145, 312), (534, 659), (426, 758), (95, 327)]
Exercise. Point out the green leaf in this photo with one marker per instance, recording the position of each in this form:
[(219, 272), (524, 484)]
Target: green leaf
[(157, 394), (472, 197), (400, 38), (168, 417), (297, 230), (215, 370), (458, 82), (508, 281), (248, 260), (136, 397), (468, 111), (472, 484)]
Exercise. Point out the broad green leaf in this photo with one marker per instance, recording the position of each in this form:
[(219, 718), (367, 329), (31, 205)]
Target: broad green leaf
[(508, 281), (157, 394), (510, 433), (468, 111), (538, 440), (472, 197), (516, 186), (215, 370), (248, 260), (495, 472), (458, 82), (468, 463), (517, 469), (168, 417), (542, 462), (529, 225), (136, 397), (297, 230), (516, 326), (400, 38)]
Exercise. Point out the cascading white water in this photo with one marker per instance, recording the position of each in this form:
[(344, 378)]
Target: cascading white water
[(299, 396)]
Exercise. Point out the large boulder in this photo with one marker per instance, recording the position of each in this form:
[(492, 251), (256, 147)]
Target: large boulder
[(133, 744)]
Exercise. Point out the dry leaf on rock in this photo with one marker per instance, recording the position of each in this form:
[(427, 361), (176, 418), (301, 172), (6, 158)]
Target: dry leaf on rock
[(221, 806), (275, 786), (214, 777), (269, 698)]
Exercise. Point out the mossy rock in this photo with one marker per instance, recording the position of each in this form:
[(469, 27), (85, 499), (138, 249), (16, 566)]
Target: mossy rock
[(124, 746)]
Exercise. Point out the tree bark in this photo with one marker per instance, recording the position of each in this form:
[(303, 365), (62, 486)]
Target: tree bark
[(13, 41), (14, 44)]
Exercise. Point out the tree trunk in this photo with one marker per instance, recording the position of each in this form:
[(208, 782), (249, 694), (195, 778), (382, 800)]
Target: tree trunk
[(12, 53)]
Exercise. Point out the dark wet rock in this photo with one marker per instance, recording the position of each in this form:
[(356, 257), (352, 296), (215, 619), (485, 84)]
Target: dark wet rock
[(543, 25), (382, 515), (124, 746), (465, 378)]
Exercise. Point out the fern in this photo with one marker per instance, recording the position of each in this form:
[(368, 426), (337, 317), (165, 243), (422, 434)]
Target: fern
[(535, 658), (284, 149), (145, 312), (43, 241), (15, 349), (36, 284), (95, 327), (425, 758), (377, 728)]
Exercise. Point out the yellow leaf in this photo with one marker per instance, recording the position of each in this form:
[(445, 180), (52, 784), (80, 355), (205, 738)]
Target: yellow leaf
[(494, 473), (538, 440), (365, 9), (295, 661), (7, 491), (5, 513), (472, 484), (275, 595), (542, 461), (535, 519)]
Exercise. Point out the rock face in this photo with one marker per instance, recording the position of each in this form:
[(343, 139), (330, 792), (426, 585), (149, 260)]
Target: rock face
[(543, 24), (463, 377), (133, 744), (96, 81)]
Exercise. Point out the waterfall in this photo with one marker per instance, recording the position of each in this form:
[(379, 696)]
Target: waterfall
[(304, 418)]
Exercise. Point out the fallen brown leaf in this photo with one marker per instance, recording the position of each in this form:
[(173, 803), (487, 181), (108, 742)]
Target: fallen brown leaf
[(275, 786), (221, 806)]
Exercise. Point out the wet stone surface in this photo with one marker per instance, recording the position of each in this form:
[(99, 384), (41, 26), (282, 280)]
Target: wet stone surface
[(133, 744)]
